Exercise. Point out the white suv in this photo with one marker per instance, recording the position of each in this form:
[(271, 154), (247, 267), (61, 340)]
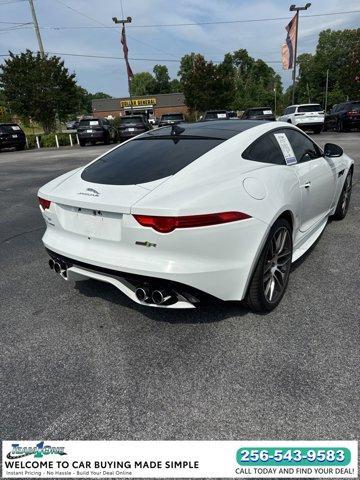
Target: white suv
[(308, 116)]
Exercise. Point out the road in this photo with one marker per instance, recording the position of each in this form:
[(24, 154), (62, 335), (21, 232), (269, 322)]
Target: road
[(84, 362)]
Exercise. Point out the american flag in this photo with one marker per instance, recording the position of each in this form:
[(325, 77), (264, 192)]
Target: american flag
[(288, 48), (126, 51)]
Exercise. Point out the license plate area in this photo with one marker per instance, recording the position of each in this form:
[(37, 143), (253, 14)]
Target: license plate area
[(90, 223)]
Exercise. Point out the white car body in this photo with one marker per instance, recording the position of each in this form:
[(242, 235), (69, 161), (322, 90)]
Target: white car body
[(306, 115), (92, 232)]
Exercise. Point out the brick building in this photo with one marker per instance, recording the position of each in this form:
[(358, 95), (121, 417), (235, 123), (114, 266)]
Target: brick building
[(147, 104)]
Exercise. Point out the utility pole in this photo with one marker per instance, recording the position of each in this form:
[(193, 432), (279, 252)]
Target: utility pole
[(326, 90), (123, 22), (294, 8), (275, 99), (37, 29)]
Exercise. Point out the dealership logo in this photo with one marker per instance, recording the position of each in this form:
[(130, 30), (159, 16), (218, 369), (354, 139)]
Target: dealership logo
[(39, 451), (90, 192)]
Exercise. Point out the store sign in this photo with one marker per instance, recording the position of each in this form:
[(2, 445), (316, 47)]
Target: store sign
[(138, 102)]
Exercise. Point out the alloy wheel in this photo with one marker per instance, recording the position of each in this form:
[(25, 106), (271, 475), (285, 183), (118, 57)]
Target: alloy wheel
[(346, 193), (277, 265)]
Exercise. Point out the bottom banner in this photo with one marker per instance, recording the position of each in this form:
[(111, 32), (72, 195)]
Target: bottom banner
[(180, 459)]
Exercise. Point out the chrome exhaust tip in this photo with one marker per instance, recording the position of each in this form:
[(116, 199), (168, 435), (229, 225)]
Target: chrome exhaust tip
[(51, 264), (160, 297), (142, 294), (57, 267)]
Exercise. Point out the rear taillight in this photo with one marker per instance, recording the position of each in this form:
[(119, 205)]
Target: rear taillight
[(168, 224), (45, 204), (353, 113)]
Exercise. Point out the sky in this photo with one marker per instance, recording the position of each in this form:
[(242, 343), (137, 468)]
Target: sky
[(89, 30)]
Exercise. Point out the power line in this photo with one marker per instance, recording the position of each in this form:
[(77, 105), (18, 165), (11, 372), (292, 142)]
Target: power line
[(111, 57), (220, 22), (103, 25)]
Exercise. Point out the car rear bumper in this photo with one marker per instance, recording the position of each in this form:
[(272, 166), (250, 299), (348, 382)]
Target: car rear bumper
[(310, 125), (216, 260), (91, 136), (12, 142)]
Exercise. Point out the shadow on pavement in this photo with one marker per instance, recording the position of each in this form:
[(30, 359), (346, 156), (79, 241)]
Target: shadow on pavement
[(209, 312)]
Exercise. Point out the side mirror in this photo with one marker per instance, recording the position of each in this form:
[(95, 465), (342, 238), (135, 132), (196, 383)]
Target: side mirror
[(332, 150)]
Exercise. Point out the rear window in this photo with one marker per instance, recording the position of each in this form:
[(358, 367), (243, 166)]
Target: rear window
[(355, 106), (216, 115), (89, 123), (147, 159), (309, 108), (10, 129), (173, 116), (260, 111), (128, 120)]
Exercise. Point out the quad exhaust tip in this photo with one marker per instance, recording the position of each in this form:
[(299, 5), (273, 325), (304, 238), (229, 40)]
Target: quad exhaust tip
[(142, 294), (158, 296)]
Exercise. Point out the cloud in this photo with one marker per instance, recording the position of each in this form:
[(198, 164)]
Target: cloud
[(261, 39)]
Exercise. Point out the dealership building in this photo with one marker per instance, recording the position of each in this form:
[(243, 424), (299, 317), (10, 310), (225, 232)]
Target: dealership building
[(147, 104)]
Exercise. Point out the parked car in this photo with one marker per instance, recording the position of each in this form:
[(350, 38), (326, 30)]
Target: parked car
[(184, 211), (11, 135), (232, 114), (132, 125), (93, 130), (72, 125), (259, 113), (308, 116), (343, 116), (170, 118), (212, 115), (153, 120)]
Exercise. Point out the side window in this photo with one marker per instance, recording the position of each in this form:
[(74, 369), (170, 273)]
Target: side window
[(266, 149), (292, 109), (304, 148), (287, 111)]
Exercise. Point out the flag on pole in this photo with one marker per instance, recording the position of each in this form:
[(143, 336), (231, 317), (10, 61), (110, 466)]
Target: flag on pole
[(288, 48), (126, 51)]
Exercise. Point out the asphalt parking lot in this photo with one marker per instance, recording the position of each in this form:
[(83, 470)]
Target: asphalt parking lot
[(84, 362)]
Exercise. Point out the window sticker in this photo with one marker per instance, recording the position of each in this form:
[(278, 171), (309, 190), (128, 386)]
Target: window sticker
[(15, 127), (221, 115), (286, 148), (94, 122), (267, 112)]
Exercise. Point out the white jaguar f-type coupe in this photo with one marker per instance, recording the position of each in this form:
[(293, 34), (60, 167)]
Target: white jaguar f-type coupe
[(189, 211)]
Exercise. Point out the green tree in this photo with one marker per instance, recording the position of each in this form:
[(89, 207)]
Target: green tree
[(175, 86), (40, 88), (85, 101), (337, 51), (143, 83), (162, 79)]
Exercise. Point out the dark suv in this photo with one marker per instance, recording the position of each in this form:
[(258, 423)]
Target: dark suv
[(11, 135), (132, 125), (171, 118), (211, 115), (259, 113), (93, 130), (343, 116)]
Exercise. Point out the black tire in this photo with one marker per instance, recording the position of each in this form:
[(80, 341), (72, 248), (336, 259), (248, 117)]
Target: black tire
[(82, 143), (317, 130), (107, 140), (20, 147), (270, 278), (344, 199), (340, 127)]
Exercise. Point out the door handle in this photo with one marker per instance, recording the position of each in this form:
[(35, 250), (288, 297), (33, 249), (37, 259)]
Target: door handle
[(307, 185)]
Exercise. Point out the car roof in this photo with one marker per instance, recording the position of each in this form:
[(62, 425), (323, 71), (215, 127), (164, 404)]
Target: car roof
[(215, 129), (259, 108), (303, 104)]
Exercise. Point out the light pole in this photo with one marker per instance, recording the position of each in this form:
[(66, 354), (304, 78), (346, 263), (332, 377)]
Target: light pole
[(37, 29), (326, 90), (123, 21), (294, 8)]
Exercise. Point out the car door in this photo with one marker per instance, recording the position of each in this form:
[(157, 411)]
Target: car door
[(316, 179)]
